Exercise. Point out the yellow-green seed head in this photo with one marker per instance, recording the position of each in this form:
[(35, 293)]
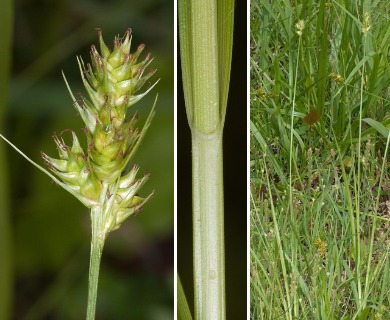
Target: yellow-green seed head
[(112, 80), (73, 168), (95, 175)]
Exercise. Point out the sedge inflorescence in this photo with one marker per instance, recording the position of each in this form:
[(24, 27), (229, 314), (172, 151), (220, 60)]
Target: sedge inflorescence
[(97, 174), (321, 246)]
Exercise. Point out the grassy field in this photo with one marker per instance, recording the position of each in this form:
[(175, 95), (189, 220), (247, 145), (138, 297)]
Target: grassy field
[(320, 179)]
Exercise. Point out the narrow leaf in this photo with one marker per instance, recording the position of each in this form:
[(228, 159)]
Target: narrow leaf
[(199, 54), (225, 10), (183, 311), (377, 126)]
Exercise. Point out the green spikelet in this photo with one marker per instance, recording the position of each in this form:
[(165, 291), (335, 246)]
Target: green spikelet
[(96, 176)]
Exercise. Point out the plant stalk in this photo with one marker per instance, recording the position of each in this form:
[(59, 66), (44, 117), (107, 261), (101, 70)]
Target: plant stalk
[(206, 37), (208, 226), (97, 244)]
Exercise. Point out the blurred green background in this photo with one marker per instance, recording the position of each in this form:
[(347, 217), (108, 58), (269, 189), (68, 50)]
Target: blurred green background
[(44, 231)]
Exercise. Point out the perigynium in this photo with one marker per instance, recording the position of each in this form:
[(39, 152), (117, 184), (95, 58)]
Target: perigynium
[(99, 175)]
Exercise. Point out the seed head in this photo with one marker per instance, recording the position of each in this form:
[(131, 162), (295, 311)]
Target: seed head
[(95, 176), (299, 26), (366, 23)]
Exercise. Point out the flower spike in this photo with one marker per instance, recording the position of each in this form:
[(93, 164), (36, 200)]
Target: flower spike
[(111, 81)]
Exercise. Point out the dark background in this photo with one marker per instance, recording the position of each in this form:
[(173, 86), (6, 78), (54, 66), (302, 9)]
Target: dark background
[(235, 180), (50, 229)]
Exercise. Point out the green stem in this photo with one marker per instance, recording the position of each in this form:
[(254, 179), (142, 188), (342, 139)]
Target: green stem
[(206, 36), (358, 183), (97, 244), (208, 227)]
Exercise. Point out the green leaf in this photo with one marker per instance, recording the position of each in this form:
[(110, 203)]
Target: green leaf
[(206, 39), (183, 311), (225, 18), (377, 126)]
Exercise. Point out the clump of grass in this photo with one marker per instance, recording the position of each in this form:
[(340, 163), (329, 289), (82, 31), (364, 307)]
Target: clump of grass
[(99, 175), (320, 237)]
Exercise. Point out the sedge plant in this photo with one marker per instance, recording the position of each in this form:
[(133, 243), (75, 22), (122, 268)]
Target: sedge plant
[(206, 32), (100, 175)]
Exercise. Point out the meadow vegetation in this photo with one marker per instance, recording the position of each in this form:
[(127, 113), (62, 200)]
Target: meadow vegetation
[(320, 179)]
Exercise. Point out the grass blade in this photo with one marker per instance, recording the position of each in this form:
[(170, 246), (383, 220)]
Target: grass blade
[(377, 126), (183, 311)]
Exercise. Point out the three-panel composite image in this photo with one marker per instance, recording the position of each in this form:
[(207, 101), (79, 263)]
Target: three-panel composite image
[(195, 160)]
